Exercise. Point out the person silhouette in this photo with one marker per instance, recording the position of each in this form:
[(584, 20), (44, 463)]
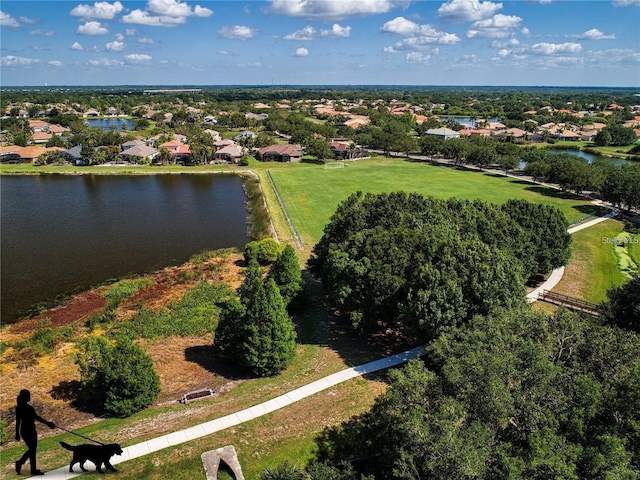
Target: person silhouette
[(26, 417)]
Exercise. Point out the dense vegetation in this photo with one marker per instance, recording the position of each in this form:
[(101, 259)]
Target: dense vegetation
[(433, 263), (516, 394)]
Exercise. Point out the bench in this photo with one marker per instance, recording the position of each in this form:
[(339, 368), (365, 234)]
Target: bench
[(197, 394)]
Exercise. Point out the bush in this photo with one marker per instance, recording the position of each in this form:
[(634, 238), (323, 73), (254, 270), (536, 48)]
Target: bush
[(4, 432), (285, 271), (264, 252), (119, 378)]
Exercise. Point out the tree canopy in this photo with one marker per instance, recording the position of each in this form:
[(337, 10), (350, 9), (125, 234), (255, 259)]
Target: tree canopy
[(518, 394), (433, 263)]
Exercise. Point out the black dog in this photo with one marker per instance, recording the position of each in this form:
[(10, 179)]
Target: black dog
[(98, 454)]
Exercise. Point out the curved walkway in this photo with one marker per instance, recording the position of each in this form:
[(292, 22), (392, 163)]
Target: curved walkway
[(207, 428), (557, 274)]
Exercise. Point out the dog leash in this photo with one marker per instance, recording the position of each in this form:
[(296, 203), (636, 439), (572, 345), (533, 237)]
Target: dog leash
[(86, 438)]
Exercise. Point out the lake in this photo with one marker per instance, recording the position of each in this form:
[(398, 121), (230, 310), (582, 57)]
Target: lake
[(467, 121), (107, 123), (590, 157), (65, 233)]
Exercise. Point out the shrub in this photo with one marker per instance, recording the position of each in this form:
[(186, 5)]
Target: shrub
[(264, 252), (119, 378)]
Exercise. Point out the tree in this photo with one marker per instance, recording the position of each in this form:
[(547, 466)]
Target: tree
[(285, 271), (546, 228), (256, 331), (426, 261), (119, 378), (622, 307), (615, 135)]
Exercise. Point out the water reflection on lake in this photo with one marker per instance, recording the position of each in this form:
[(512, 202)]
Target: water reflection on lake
[(108, 123), (62, 234)]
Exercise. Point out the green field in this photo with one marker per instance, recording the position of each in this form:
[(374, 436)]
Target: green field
[(593, 267), (311, 193)]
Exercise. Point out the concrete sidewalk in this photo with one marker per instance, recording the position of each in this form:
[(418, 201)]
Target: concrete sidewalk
[(207, 428)]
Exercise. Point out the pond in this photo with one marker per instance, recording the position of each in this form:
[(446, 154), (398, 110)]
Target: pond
[(590, 157), (108, 123), (63, 234), (467, 121)]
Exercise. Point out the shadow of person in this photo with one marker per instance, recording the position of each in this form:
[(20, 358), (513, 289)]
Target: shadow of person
[(26, 417)]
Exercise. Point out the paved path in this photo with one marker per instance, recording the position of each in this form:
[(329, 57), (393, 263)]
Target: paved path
[(557, 274), (207, 428)]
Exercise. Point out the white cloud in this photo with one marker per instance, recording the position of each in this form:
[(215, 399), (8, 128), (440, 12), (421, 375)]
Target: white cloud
[(146, 41), (301, 52), (99, 11), (616, 56), (115, 46), (526, 33), (27, 20), (55, 63), (141, 17), (76, 46), (554, 48), (498, 26), (330, 10), (426, 37), (7, 20), (461, 11), (202, 12), (138, 58), (626, 3), (304, 34), (104, 62), (336, 31), (594, 34), (92, 28), (237, 32), (119, 37), (165, 13), (130, 32), (250, 65), (42, 33), (512, 42), (223, 52), (416, 57), (400, 25), (13, 61)]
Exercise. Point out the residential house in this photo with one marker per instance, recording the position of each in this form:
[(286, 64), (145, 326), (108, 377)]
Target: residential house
[(229, 153), (92, 112), (178, 150), (74, 155), (138, 153), (443, 132), (209, 120), (214, 134), (256, 116), (280, 153), (245, 135), (133, 143)]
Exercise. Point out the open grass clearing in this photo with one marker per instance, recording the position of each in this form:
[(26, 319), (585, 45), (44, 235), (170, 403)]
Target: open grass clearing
[(312, 194), (593, 267)]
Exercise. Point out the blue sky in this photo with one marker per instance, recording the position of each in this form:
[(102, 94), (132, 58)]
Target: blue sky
[(310, 42)]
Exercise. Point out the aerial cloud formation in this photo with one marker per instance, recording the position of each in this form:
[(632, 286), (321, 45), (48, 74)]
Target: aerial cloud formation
[(498, 26), (594, 34), (461, 11), (99, 11), (330, 10), (301, 52), (92, 28), (7, 20), (237, 32), (336, 31), (165, 13)]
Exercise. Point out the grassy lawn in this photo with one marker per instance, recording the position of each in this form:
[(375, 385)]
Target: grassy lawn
[(593, 268), (311, 193)]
